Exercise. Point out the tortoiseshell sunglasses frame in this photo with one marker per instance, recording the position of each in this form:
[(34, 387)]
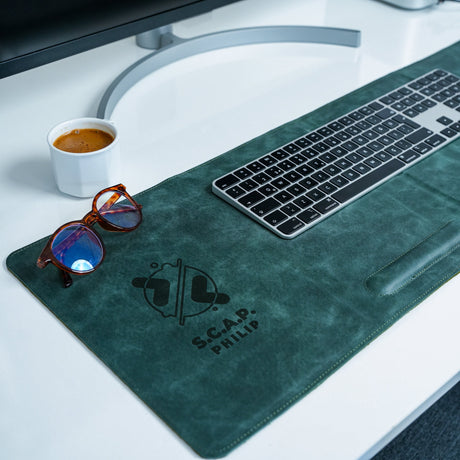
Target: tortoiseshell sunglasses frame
[(88, 221)]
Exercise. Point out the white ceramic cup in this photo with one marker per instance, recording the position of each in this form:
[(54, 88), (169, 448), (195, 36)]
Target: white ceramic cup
[(85, 174)]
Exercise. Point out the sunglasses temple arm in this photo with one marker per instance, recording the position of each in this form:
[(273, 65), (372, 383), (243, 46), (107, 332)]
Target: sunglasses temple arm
[(105, 208), (103, 212), (43, 261), (65, 244), (66, 278), (109, 203), (44, 258)]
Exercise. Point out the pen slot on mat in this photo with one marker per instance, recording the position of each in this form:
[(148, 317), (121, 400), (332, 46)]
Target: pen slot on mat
[(402, 271)]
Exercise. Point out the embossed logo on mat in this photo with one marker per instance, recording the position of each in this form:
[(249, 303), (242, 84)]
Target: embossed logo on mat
[(180, 291)]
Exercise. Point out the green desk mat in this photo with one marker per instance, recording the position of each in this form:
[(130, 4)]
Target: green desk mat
[(218, 325)]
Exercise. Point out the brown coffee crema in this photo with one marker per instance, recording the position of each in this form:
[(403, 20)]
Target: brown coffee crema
[(83, 140)]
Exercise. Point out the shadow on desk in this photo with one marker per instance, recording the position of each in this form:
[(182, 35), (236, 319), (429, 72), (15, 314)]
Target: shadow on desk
[(435, 435), (33, 173)]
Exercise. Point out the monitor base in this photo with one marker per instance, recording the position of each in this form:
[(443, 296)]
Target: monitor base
[(412, 4), (169, 48)]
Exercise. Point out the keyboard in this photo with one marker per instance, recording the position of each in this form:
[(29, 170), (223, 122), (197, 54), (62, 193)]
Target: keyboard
[(306, 180)]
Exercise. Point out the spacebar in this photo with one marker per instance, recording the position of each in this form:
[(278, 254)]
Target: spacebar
[(367, 181)]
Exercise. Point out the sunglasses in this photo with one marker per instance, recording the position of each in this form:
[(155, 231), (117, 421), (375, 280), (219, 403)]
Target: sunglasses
[(76, 248)]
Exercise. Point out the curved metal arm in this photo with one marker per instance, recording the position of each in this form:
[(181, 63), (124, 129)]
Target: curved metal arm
[(176, 48)]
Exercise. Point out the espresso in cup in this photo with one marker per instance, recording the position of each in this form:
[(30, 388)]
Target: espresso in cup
[(85, 155), (83, 140)]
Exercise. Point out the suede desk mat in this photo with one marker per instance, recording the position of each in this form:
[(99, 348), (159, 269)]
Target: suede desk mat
[(217, 324)]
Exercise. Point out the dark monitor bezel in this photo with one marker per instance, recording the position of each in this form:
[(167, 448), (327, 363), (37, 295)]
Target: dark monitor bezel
[(86, 42)]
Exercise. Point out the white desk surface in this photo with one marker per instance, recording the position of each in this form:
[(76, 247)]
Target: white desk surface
[(57, 401)]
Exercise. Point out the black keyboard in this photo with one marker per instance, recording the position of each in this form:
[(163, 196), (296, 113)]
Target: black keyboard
[(306, 180)]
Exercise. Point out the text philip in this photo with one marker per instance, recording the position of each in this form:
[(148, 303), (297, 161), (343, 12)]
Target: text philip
[(229, 332)]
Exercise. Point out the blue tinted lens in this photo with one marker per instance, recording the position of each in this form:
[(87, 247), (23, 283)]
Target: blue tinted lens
[(115, 208), (77, 247)]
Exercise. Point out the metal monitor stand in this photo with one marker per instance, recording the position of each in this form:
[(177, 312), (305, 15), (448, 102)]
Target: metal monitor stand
[(170, 48)]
